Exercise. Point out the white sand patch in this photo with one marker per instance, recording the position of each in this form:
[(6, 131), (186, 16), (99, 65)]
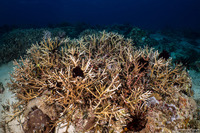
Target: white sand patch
[(195, 83), (5, 71)]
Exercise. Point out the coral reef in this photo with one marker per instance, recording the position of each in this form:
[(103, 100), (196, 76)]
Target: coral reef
[(15, 43), (182, 45), (101, 83), (141, 37), (182, 48)]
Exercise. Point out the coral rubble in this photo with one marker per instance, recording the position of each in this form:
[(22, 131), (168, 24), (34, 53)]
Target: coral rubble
[(101, 82)]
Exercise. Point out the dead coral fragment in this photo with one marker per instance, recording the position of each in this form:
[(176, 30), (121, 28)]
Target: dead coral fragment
[(37, 121), (40, 103)]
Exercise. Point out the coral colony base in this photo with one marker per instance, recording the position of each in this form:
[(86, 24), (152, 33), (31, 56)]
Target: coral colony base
[(99, 83)]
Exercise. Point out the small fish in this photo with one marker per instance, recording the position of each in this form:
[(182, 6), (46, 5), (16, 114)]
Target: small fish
[(125, 130)]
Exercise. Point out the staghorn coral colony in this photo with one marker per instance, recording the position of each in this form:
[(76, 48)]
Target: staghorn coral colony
[(100, 83)]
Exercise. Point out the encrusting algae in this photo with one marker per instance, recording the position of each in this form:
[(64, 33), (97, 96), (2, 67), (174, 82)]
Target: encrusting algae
[(100, 83)]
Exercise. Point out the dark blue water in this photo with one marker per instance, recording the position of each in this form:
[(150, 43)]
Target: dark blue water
[(179, 19), (151, 14)]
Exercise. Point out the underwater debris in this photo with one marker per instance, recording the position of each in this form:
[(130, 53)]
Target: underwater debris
[(101, 83)]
